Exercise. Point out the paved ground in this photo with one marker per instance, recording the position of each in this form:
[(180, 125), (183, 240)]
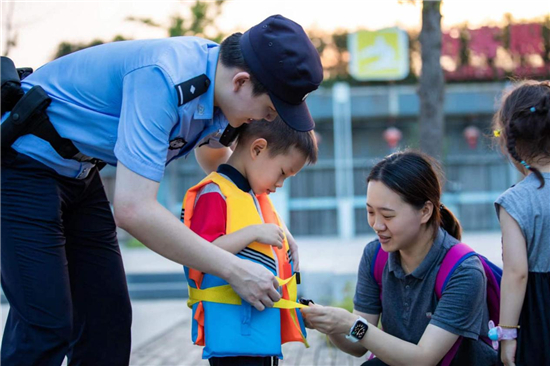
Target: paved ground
[(161, 330), (161, 336), (327, 264), (173, 348)]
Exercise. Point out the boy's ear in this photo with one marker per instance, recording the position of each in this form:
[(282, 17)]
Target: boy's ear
[(427, 212), (257, 147), (239, 79)]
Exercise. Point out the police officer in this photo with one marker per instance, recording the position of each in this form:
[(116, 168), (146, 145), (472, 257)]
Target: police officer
[(137, 105)]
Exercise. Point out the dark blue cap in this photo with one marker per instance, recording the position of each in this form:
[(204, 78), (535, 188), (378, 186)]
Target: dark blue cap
[(283, 59)]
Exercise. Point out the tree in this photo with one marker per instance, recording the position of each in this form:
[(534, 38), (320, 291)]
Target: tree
[(65, 48), (11, 34), (201, 23), (432, 82)]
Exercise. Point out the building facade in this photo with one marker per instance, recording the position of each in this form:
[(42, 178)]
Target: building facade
[(328, 199)]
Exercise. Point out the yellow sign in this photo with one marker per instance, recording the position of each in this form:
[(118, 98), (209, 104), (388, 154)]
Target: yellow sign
[(379, 55)]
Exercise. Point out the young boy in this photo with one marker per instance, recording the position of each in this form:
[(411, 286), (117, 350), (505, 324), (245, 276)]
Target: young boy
[(231, 209)]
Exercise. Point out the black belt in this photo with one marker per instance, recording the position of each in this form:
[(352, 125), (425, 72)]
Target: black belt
[(28, 115)]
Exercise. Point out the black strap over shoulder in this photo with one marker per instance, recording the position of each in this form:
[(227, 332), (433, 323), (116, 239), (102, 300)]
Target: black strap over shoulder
[(28, 115)]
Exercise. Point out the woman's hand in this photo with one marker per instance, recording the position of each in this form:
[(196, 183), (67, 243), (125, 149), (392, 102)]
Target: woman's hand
[(508, 352), (328, 320)]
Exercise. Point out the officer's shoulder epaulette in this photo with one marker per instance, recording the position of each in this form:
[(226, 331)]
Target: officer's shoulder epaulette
[(192, 88)]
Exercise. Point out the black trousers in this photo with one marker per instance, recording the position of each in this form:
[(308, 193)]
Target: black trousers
[(61, 269)]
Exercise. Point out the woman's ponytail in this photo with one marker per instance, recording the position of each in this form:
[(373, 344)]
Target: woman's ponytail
[(450, 223)]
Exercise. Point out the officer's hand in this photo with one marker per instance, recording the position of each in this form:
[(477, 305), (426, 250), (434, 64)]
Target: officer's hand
[(270, 234), (255, 284)]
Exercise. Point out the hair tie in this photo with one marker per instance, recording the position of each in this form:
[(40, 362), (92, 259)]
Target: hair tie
[(532, 109), (527, 166), (441, 207)]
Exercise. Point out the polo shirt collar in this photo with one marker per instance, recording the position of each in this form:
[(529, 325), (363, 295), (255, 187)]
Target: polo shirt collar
[(236, 177), (205, 105), (394, 260)]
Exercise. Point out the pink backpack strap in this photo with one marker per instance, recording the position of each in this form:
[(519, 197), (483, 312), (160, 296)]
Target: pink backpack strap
[(380, 260), (377, 268), (456, 255)]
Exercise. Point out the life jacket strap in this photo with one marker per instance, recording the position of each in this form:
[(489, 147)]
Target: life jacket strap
[(226, 295)]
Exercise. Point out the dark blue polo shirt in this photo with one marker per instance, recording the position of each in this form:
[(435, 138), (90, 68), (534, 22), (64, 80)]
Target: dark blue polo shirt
[(410, 302)]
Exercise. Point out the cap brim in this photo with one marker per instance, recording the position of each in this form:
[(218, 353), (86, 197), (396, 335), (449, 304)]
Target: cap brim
[(296, 116)]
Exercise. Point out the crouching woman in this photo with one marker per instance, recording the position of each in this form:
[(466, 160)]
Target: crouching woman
[(416, 231)]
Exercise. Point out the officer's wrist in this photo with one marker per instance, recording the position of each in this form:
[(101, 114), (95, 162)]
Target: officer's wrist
[(231, 266)]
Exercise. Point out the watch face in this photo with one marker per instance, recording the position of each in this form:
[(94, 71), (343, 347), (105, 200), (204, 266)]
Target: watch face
[(359, 330)]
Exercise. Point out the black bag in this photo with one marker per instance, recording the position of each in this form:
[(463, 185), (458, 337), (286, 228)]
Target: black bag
[(11, 85), (28, 114), (28, 111)]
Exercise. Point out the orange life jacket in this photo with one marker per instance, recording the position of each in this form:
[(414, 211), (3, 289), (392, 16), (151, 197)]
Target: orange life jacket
[(224, 324)]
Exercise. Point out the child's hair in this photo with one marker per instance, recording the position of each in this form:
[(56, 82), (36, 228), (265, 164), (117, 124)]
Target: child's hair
[(412, 175), (231, 55), (523, 123), (280, 137)]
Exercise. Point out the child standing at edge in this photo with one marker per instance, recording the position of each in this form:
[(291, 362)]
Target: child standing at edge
[(231, 209), (523, 127)]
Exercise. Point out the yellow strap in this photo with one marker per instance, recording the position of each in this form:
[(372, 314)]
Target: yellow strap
[(225, 295)]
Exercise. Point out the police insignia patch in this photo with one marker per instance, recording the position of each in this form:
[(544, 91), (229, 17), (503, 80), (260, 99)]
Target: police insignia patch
[(177, 143), (192, 88)]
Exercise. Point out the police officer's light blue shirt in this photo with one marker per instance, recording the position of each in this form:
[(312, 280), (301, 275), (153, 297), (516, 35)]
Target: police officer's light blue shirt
[(118, 102)]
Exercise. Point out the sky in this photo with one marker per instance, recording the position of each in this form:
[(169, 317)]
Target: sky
[(42, 25)]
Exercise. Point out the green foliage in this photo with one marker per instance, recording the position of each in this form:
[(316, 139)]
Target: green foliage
[(200, 23), (66, 48), (347, 301)]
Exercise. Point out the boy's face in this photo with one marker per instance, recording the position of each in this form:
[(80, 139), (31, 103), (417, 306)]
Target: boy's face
[(267, 173), (241, 106)]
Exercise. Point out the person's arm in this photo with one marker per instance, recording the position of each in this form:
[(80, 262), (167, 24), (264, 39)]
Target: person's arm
[(514, 279), (457, 314), (355, 349), (209, 222), (336, 322), (209, 159), (269, 234), (138, 212)]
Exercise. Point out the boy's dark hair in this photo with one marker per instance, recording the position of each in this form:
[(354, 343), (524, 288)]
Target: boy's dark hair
[(232, 56), (412, 175), (523, 120), (280, 138)]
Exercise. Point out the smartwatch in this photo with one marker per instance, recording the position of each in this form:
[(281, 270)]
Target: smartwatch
[(358, 330)]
